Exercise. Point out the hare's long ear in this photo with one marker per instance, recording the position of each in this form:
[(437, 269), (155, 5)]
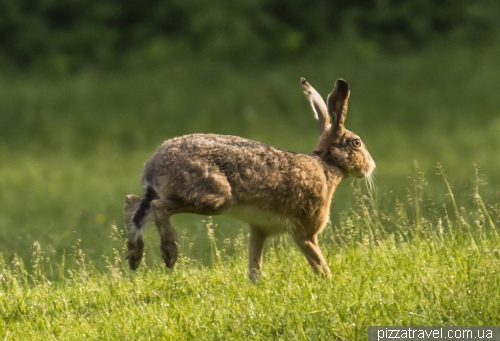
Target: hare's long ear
[(337, 107), (318, 105)]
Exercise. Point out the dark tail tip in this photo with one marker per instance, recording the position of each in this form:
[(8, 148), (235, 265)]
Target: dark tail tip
[(142, 211)]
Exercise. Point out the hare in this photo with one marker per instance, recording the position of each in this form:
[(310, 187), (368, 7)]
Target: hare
[(276, 191)]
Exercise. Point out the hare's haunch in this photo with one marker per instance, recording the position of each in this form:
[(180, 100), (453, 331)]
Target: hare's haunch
[(274, 190)]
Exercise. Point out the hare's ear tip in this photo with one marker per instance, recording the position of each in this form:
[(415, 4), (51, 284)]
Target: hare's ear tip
[(305, 86), (342, 85), (342, 82)]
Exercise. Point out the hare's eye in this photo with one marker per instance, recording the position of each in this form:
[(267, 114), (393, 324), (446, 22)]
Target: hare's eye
[(355, 143)]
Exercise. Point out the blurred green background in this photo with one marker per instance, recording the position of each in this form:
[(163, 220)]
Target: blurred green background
[(89, 89)]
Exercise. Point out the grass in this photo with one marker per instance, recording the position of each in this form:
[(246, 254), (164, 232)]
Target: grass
[(441, 267), (420, 250)]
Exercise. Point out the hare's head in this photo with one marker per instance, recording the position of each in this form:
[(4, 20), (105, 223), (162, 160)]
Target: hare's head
[(338, 146)]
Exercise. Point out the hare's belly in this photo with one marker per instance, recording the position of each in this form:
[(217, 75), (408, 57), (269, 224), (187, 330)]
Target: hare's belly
[(269, 222)]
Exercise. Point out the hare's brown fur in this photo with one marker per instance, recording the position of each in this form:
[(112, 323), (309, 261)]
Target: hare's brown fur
[(274, 190)]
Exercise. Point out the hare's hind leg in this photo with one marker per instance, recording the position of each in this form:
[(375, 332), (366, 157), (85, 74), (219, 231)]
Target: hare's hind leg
[(169, 244), (135, 244), (163, 209), (309, 247), (255, 251), (209, 197)]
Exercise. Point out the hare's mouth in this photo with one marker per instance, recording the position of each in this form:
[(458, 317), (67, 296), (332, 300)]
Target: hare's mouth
[(357, 173), (365, 172), (362, 175)]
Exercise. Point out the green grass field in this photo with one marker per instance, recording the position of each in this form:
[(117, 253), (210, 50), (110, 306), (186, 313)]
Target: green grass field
[(410, 253), (440, 268)]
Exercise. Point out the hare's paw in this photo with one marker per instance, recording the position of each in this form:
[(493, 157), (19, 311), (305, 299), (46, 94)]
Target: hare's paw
[(169, 252), (134, 253)]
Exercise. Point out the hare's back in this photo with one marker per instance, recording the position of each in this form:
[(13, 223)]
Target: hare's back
[(223, 150), (244, 162), (202, 144)]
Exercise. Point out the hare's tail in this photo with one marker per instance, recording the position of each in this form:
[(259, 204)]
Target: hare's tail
[(139, 218)]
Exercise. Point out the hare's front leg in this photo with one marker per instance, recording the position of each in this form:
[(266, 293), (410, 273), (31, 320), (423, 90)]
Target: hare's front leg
[(169, 243), (309, 247), (135, 244), (255, 251)]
